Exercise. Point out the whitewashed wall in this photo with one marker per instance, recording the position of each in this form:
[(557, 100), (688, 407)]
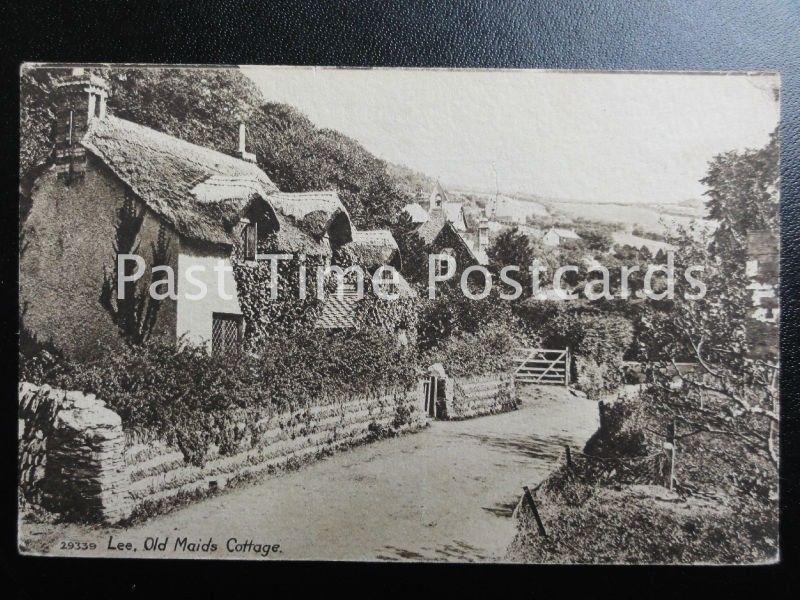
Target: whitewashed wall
[(195, 315)]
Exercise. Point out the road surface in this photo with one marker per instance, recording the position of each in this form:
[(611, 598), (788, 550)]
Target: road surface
[(444, 494)]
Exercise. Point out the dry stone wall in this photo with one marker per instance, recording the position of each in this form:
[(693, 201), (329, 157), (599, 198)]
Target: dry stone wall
[(159, 473), (74, 459), (71, 454), (477, 396)]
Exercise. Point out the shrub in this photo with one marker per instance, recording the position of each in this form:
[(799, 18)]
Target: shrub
[(193, 400), (486, 351), (597, 378), (596, 339), (452, 313)]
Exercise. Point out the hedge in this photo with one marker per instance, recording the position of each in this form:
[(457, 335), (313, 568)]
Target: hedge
[(192, 399)]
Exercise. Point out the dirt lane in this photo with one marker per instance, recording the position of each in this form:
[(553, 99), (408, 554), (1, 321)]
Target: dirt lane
[(445, 494)]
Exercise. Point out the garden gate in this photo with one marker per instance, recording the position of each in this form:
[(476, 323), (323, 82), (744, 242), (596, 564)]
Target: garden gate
[(542, 365)]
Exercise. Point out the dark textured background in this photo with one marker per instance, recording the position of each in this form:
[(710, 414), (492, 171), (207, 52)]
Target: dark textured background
[(671, 34)]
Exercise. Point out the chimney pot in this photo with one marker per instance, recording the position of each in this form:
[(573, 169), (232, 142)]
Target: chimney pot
[(483, 233), (243, 154), (81, 98)]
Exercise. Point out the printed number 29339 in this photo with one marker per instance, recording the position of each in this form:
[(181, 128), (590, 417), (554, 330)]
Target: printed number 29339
[(67, 545)]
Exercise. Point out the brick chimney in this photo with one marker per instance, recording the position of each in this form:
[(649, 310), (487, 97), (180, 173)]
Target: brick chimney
[(483, 234), (243, 154), (80, 98)]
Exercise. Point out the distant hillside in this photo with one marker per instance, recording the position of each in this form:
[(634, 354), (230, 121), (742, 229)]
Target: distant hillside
[(544, 211), (411, 181), (205, 106)]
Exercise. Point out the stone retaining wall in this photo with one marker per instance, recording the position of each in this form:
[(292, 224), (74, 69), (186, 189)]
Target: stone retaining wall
[(71, 454), (477, 396), (90, 474)]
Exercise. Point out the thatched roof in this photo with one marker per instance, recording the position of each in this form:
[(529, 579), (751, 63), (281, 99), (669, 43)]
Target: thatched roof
[(312, 211), (163, 170), (374, 248), (203, 193)]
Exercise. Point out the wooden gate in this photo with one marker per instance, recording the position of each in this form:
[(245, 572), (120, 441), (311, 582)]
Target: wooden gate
[(542, 365)]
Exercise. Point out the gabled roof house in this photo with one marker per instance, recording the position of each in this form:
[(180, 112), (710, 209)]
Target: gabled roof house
[(200, 200)]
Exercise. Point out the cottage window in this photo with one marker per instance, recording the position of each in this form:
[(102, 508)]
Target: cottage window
[(250, 241), (226, 333), (441, 262)]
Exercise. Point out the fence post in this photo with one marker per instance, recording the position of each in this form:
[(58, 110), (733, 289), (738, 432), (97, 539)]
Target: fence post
[(569, 457), (532, 504), (670, 446)]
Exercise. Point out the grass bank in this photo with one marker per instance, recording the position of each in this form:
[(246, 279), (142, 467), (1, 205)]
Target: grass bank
[(612, 503)]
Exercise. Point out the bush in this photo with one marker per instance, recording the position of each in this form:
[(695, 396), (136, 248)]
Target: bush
[(598, 341), (487, 351), (193, 400), (454, 314), (597, 378)]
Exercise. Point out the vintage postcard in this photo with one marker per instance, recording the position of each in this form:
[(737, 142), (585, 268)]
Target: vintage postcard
[(297, 313)]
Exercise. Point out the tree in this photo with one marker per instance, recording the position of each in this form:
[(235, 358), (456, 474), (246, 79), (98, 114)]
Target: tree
[(298, 157), (742, 196), (412, 249), (512, 248), (205, 107), (728, 392)]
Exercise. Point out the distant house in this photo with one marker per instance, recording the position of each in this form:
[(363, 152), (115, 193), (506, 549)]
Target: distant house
[(763, 269), (556, 236), (623, 239), (417, 214), (196, 202), (533, 233), (438, 201), (440, 236)]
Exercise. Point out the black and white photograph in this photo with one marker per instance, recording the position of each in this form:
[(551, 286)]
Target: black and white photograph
[(303, 313)]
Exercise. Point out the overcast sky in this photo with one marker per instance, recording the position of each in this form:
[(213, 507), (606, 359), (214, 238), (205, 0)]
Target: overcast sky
[(638, 137)]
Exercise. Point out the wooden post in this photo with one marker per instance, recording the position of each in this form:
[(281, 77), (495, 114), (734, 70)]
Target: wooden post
[(532, 504), (670, 446), (435, 395), (569, 457), (567, 365)]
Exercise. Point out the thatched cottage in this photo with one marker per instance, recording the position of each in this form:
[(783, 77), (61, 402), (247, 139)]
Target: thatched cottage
[(190, 205)]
